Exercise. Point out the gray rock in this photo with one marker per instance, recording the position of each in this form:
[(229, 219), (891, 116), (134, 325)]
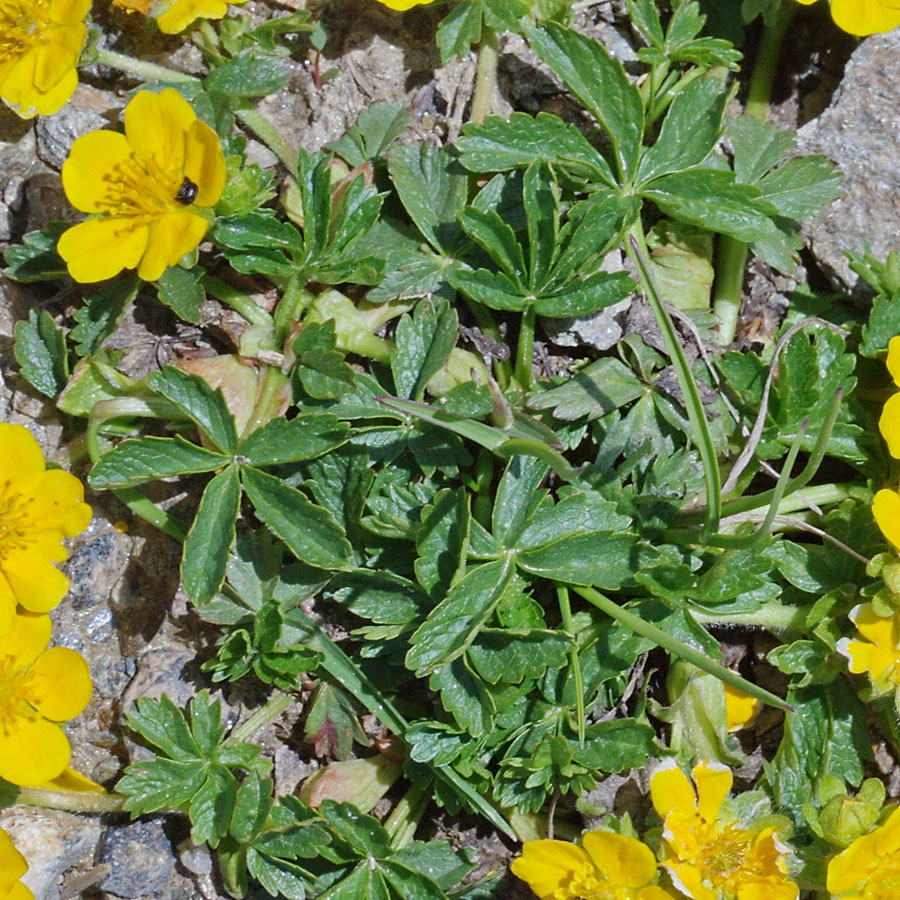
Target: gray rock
[(860, 131), (601, 329), (141, 859), (52, 842), (56, 133)]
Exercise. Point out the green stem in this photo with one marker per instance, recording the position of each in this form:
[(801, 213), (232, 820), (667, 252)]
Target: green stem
[(731, 255), (71, 801), (267, 403), (565, 614), (146, 71), (525, 349), (268, 712), (133, 499), (294, 300), (485, 76), (404, 819), (677, 647), (270, 136), (773, 616), (239, 301), (485, 320), (637, 250)]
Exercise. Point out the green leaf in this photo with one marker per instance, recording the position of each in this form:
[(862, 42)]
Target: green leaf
[(692, 127), (757, 147), (582, 296), (251, 809), (423, 342), (380, 596), (645, 20), (540, 195), (211, 537), (456, 620), (465, 696), (595, 390), (41, 353), (139, 460), (601, 558), (36, 259), (500, 145), (163, 725), (212, 806), (181, 290), (617, 745), (511, 655), (600, 83), (278, 877), (492, 289), (303, 437), (518, 498), (205, 407), (802, 187), (322, 370), (249, 74), (883, 324), (101, 313), (257, 231), (497, 239), (459, 30), (375, 130), (433, 188), (308, 530), (710, 198), (442, 540)]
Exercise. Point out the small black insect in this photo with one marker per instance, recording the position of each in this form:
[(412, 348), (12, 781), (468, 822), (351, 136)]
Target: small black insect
[(187, 193)]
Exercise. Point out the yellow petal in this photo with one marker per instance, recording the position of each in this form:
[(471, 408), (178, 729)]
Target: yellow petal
[(767, 889), (12, 863), (403, 5), (893, 359), (174, 235), (887, 837), (19, 892), (806, 2), (60, 503), (69, 12), (27, 639), (689, 881), (62, 684), (35, 582), (184, 12), (889, 425), (862, 17), (155, 125), (204, 163), (57, 55), (849, 867), (86, 172), (21, 455), (654, 893), (72, 780), (880, 630), (32, 751), (740, 708), (100, 248), (46, 103), (546, 865), (670, 789), (886, 510), (624, 860), (713, 782)]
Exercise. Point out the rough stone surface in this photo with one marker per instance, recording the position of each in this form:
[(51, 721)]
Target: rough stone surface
[(52, 842), (860, 131), (141, 859)]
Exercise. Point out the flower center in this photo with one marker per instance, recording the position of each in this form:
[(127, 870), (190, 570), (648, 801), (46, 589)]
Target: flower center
[(15, 687), (587, 883), (884, 882), (22, 23), (141, 189)]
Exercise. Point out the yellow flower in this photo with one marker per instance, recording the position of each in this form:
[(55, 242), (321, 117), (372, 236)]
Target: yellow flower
[(173, 16), (740, 708), (863, 17), (889, 423), (869, 869), (12, 868), (879, 652), (38, 508), (403, 5), (40, 42), (886, 510), (145, 185), (608, 867), (709, 856), (38, 688)]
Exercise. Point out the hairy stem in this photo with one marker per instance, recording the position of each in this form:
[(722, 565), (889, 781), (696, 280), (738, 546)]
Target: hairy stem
[(71, 801), (485, 76), (146, 71), (268, 712)]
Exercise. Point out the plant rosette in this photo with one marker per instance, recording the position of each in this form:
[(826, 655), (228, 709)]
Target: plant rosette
[(151, 190)]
